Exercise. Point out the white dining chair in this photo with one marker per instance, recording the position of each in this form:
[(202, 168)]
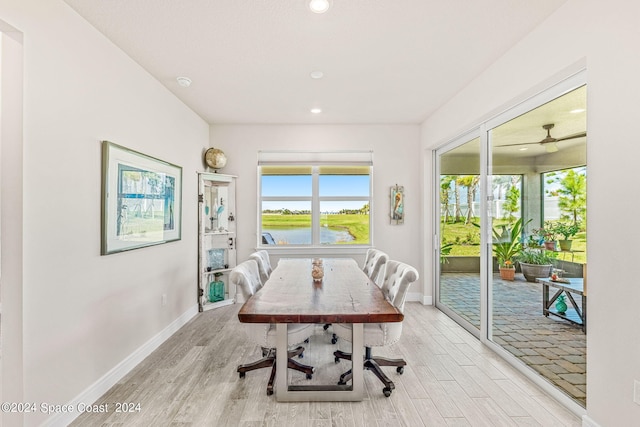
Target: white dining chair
[(397, 279), (374, 264), (264, 264), (246, 277)]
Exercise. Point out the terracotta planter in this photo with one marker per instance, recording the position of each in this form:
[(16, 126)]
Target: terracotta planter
[(533, 271), (550, 246), (507, 273)]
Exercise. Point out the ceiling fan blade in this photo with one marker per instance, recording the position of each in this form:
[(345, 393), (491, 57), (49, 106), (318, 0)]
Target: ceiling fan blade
[(575, 135), (518, 143)]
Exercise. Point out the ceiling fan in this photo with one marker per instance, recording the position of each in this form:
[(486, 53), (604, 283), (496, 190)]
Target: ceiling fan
[(549, 143)]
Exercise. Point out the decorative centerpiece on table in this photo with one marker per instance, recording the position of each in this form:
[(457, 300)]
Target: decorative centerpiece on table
[(556, 277), (317, 270)]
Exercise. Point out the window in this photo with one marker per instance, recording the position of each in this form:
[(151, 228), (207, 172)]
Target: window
[(565, 210), (315, 204)]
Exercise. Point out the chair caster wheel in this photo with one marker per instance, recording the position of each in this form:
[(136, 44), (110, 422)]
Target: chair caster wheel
[(242, 374), (386, 391), (400, 370), (269, 392), (341, 383), (309, 376), (325, 327), (301, 355), (306, 341), (337, 359), (334, 340)]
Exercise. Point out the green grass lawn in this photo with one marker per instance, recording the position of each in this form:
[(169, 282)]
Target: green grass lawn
[(357, 225), (466, 241)]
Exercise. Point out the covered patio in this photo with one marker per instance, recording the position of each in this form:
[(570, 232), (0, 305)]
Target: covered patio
[(551, 346)]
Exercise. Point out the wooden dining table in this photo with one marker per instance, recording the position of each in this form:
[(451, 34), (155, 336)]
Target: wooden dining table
[(344, 295)]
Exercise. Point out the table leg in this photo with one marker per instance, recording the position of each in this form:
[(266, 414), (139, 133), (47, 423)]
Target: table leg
[(329, 393), (357, 358), (575, 306), (282, 348)]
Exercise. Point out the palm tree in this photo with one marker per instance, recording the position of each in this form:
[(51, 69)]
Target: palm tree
[(471, 182), (445, 188), (456, 193), (498, 182)]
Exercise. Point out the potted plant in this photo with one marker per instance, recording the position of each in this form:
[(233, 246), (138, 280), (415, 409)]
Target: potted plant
[(567, 231), (507, 245), (548, 235), (533, 242), (536, 263), (507, 270)]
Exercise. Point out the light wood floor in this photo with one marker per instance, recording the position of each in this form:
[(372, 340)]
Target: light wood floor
[(450, 380)]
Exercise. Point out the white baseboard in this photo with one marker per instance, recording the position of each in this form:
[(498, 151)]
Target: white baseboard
[(100, 387), (588, 422), (415, 296)]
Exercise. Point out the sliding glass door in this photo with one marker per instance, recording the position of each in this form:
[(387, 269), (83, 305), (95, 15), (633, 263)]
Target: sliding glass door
[(509, 193), (459, 280)]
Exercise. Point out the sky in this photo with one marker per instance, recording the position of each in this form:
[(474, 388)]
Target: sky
[(300, 186)]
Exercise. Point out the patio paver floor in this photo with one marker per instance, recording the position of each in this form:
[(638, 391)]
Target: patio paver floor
[(551, 346)]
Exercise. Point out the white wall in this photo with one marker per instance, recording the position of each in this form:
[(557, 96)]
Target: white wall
[(83, 313), (395, 162), (11, 222), (606, 35)]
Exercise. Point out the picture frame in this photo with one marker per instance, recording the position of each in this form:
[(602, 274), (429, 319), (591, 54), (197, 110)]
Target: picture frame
[(397, 205), (141, 200)]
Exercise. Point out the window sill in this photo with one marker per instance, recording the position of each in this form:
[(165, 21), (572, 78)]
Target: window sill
[(328, 251)]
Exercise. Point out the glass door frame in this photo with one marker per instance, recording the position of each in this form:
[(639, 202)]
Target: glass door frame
[(559, 87), (455, 143)]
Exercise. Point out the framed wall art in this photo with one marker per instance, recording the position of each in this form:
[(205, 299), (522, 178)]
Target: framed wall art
[(141, 200), (397, 204)]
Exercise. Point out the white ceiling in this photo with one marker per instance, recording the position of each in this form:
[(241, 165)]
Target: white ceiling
[(567, 114), (383, 61)]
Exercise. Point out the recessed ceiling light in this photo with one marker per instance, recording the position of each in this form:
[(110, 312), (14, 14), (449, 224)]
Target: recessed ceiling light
[(577, 110), (523, 149), (184, 81), (317, 74), (316, 110), (319, 6)]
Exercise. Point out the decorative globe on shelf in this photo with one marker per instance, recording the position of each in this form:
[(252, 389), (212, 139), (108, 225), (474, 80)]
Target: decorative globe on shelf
[(215, 158)]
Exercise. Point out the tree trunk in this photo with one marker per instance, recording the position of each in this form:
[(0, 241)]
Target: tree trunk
[(458, 210)]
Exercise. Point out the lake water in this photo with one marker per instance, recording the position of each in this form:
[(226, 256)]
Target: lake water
[(302, 236)]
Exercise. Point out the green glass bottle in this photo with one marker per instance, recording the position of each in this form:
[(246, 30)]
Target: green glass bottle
[(216, 291)]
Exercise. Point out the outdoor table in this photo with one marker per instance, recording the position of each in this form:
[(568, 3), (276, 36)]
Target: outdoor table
[(573, 314)]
